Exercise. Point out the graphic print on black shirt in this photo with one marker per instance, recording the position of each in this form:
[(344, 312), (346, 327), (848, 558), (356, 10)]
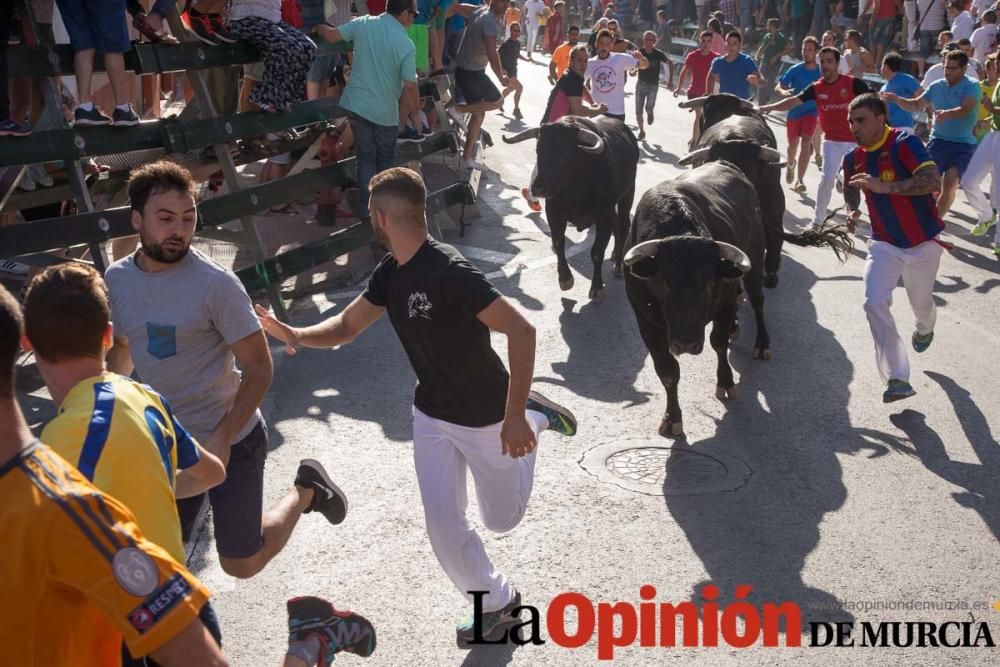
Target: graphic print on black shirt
[(432, 302)]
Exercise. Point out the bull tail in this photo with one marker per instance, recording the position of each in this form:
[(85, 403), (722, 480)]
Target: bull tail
[(835, 236)]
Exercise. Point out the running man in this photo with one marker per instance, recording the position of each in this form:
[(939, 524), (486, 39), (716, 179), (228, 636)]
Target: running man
[(902, 84), (734, 72), (800, 122), (467, 411), (510, 52), (188, 326), (648, 84), (697, 63), (832, 95), (606, 73), (986, 160), (121, 435), (954, 102), (560, 57), (898, 178)]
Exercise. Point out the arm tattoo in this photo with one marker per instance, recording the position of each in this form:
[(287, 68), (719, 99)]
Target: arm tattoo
[(924, 182)]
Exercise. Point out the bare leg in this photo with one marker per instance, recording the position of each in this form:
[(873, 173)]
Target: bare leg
[(804, 154), (277, 525), (83, 66), (949, 186), (114, 64)]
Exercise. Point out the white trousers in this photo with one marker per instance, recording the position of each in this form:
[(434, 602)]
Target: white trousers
[(833, 159), (910, 12), (532, 36), (918, 268), (442, 452), (985, 161)]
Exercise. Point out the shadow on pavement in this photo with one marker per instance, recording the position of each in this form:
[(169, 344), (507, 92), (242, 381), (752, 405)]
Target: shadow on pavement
[(978, 479), (762, 533)]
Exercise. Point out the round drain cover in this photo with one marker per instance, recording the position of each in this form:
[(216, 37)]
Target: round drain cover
[(656, 469)]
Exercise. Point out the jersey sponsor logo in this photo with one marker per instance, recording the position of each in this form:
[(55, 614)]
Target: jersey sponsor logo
[(134, 571), (823, 96), (419, 305), (159, 603)]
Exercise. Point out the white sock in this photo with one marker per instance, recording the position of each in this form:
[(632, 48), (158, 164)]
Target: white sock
[(123, 107), (87, 106)]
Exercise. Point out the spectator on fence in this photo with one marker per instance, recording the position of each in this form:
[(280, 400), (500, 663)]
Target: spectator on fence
[(830, 39), (954, 101), (936, 71), (859, 59), (664, 38), (979, 6), (383, 85), (931, 20), (151, 25), (903, 85), (799, 11), (105, 31), (772, 48), (961, 21), (883, 28), (984, 38)]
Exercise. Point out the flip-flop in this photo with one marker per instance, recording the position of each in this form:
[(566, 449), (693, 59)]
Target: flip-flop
[(161, 36)]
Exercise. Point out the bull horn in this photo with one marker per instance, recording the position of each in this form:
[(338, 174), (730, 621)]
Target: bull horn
[(699, 154), (769, 154), (696, 103), (641, 251), (530, 133), (589, 141), (731, 253)]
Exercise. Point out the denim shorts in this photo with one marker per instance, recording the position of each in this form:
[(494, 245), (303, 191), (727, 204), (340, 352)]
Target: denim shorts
[(947, 154), (927, 40), (95, 24)]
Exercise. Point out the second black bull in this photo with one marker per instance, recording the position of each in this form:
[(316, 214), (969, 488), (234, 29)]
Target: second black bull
[(733, 131), (586, 173)]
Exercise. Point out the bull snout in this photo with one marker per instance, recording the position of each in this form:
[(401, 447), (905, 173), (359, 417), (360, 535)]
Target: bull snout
[(695, 348)]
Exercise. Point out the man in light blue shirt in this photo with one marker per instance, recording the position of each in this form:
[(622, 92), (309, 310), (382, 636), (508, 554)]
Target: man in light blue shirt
[(954, 102), (901, 84), (735, 71), (384, 69)]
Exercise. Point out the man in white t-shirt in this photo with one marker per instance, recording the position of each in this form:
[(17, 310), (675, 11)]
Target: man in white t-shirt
[(606, 74), (962, 23), (532, 21), (985, 36)]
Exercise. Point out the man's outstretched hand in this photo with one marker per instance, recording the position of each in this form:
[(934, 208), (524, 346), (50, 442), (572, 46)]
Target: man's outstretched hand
[(277, 329)]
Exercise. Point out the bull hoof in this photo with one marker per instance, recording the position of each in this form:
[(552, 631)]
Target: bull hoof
[(670, 429), (770, 280), (598, 295), (761, 353), (722, 393), (619, 271), (566, 284)]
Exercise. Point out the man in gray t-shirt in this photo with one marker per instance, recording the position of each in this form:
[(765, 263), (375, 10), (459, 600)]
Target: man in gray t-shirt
[(188, 327), (477, 50)]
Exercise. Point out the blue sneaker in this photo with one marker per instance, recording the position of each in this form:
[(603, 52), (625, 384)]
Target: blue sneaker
[(897, 391), (922, 341), (492, 620), (560, 419)]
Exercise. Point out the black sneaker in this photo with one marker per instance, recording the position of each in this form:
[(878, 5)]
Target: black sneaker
[(336, 630), (125, 117), (410, 135), (92, 118), (221, 31), (426, 131), (328, 499), (201, 26), (560, 419), (11, 128)]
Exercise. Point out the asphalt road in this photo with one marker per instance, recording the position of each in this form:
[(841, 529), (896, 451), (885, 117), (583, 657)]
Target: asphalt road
[(854, 510)]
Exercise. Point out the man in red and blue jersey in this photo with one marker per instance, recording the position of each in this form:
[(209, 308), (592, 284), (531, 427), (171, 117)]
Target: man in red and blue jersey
[(898, 178)]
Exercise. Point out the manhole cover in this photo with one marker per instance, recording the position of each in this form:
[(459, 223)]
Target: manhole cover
[(656, 469)]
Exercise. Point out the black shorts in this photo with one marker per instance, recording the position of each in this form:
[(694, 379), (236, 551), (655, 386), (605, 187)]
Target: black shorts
[(476, 86), (237, 503)]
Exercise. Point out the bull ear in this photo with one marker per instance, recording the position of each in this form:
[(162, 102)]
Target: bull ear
[(641, 259), (733, 262)]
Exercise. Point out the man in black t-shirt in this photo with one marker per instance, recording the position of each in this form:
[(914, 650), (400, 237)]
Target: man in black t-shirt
[(649, 80), (467, 411), (509, 53)]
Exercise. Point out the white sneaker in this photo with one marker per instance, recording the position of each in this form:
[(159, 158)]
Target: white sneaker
[(40, 176), (13, 268)]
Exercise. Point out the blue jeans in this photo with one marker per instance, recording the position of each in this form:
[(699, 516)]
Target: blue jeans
[(161, 7), (375, 148)]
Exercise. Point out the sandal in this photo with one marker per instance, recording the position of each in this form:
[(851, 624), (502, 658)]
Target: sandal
[(141, 23)]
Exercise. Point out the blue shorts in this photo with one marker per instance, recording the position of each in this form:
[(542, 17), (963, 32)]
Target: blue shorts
[(96, 24), (947, 154)]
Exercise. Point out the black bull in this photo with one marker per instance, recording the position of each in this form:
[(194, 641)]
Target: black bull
[(691, 242), (731, 130), (586, 174)]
